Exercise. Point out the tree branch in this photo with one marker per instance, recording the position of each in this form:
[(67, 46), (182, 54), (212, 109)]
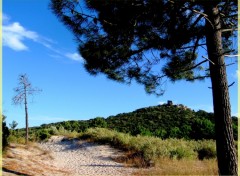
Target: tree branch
[(227, 30), (198, 12), (208, 60), (198, 77), (181, 71), (201, 44), (236, 55), (89, 16), (231, 84)]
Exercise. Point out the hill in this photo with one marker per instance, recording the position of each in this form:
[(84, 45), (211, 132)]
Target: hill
[(164, 121)]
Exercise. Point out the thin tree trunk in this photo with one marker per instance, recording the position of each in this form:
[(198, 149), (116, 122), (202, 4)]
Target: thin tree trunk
[(226, 152), (26, 117)]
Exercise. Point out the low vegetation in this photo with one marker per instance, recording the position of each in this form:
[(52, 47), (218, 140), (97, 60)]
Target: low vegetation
[(172, 138), (169, 156), (153, 148)]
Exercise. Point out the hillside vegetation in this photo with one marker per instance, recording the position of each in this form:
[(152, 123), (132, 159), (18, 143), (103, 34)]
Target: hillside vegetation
[(163, 121)]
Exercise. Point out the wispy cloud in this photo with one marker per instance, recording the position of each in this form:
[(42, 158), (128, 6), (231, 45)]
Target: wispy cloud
[(15, 35), (74, 56), (5, 18)]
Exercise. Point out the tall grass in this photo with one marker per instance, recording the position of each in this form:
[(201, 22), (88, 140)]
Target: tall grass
[(41, 135), (153, 148), (167, 166)]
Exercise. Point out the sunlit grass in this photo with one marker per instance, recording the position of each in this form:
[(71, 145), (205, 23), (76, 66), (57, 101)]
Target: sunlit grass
[(167, 166), (152, 150)]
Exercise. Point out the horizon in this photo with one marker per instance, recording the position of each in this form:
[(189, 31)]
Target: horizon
[(164, 104)]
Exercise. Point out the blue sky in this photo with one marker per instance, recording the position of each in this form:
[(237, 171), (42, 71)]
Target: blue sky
[(35, 42)]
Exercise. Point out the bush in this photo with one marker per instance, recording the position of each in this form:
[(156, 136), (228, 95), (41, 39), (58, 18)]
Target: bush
[(206, 153), (16, 139), (43, 135), (5, 133), (179, 153), (53, 130), (99, 122)]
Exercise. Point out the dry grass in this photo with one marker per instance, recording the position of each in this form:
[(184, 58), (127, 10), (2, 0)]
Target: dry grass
[(168, 166), (29, 160), (169, 157), (132, 159)]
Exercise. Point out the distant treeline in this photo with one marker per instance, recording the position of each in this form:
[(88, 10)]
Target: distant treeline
[(165, 121)]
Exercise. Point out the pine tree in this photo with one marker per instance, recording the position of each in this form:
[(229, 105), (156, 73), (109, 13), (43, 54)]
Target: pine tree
[(22, 92)]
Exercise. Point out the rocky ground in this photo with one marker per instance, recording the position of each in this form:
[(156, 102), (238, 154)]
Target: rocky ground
[(60, 156)]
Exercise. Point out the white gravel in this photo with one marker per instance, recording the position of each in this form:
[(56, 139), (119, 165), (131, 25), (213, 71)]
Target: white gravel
[(84, 158)]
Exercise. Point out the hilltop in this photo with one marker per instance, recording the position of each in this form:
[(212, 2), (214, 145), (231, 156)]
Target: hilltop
[(164, 121)]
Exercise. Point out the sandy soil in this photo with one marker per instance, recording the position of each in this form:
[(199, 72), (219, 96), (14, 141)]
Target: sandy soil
[(62, 157)]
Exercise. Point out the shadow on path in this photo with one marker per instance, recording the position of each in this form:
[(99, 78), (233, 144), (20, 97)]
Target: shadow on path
[(13, 172)]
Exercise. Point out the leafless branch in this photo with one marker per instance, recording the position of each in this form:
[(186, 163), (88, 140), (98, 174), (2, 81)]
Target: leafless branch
[(230, 64), (235, 55), (231, 84), (208, 60), (227, 30)]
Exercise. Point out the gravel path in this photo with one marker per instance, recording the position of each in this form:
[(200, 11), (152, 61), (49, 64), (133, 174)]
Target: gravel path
[(84, 158)]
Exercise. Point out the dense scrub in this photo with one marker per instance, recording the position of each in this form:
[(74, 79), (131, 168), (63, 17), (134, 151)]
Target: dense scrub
[(165, 121), (153, 148)]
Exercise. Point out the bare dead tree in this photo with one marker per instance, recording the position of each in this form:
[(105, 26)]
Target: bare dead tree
[(24, 90)]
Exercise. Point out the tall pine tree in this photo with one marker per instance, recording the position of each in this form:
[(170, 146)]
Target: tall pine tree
[(154, 40)]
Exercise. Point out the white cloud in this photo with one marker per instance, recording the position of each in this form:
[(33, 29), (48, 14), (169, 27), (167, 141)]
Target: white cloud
[(14, 35), (74, 56)]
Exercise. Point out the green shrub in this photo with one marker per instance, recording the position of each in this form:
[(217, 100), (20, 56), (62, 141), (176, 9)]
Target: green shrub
[(161, 133), (5, 133), (99, 122), (43, 134), (179, 153), (16, 139), (53, 130), (150, 147), (62, 131)]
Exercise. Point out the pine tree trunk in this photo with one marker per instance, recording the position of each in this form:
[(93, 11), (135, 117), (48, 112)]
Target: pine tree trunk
[(226, 152)]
